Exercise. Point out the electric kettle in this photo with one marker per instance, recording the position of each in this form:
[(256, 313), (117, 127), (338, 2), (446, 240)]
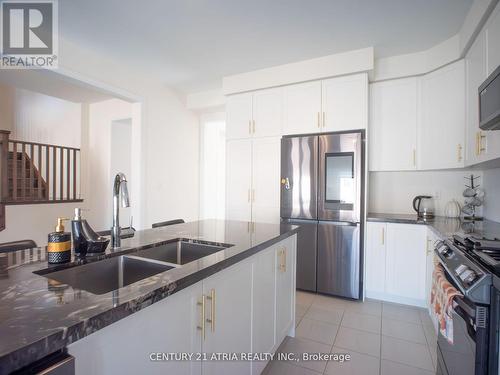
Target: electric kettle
[(424, 205)]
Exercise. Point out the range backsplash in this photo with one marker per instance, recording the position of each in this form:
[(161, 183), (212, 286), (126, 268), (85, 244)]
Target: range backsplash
[(393, 192), (491, 183)]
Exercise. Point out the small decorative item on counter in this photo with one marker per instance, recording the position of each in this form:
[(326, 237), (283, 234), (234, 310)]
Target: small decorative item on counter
[(59, 246), (474, 197), (452, 209)]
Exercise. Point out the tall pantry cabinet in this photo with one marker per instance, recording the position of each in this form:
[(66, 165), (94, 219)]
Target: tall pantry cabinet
[(253, 155)]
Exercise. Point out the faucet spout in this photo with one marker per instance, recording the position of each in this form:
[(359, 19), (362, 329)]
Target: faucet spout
[(119, 190)]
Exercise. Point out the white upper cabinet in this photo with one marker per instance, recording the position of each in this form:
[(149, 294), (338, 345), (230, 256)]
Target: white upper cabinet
[(393, 125), (239, 116), (302, 108), (491, 139), (266, 180), (238, 179), (345, 103), (257, 114), (441, 131), (493, 38), (267, 113), (475, 66)]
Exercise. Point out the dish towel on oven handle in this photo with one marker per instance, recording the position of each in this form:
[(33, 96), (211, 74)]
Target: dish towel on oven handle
[(442, 294)]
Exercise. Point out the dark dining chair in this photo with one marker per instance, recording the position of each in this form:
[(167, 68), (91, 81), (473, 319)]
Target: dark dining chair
[(166, 223), (8, 247)]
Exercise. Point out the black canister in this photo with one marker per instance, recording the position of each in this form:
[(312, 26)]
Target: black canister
[(59, 246)]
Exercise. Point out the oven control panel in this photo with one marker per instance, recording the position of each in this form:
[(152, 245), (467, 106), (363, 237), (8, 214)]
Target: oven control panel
[(466, 275)]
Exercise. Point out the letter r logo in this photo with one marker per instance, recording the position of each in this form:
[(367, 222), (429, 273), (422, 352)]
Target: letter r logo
[(27, 28)]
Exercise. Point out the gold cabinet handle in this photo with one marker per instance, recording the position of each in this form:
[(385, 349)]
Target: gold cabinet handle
[(480, 141), (249, 126), (459, 152), (201, 327), (319, 120), (211, 298), (414, 157), (324, 119), (249, 196), (477, 143), (253, 127), (383, 236), (282, 256), (284, 259)]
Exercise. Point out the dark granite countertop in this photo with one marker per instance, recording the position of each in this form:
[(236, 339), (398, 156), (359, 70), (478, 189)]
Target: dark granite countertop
[(38, 318), (443, 226)]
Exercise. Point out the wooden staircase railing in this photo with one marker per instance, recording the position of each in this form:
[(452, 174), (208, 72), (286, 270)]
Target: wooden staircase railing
[(33, 173)]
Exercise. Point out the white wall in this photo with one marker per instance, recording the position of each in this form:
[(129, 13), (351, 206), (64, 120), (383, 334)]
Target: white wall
[(212, 165), (121, 157), (45, 119), (393, 192), (169, 164), (34, 221), (491, 184), (172, 159), (7, 95), (98, 195)]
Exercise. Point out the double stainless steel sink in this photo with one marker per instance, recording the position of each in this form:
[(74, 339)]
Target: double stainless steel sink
[(110, 274)]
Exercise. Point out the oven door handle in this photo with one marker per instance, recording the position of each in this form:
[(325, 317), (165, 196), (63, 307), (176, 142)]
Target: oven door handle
[(471, 312)]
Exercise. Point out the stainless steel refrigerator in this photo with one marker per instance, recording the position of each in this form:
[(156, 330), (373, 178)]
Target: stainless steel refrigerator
[(322, 190)]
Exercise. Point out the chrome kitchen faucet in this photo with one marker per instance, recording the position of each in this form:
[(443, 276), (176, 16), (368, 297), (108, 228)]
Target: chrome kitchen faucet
[(120, 186)]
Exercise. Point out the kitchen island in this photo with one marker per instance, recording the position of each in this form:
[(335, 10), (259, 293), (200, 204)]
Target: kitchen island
[(238, 299)]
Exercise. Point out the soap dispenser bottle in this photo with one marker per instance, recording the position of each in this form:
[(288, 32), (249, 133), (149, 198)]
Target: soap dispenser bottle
[(59, 244), (79, 241)]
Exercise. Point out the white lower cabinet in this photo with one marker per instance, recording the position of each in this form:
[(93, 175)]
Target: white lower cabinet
[(285, 287), (264, 338), (126, 346), (395, 263), (228, 328), (432, 238), (375, 258), (248, 308)]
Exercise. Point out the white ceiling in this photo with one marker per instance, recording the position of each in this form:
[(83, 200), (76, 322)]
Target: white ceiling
[(191, 44)]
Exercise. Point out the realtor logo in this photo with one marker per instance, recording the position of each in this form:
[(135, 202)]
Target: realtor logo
[(28, 34)]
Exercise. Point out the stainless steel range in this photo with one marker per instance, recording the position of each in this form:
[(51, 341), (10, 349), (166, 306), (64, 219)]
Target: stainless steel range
[(472, 265)]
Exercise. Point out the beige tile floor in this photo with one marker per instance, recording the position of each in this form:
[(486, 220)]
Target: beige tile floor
[(382, 338)]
